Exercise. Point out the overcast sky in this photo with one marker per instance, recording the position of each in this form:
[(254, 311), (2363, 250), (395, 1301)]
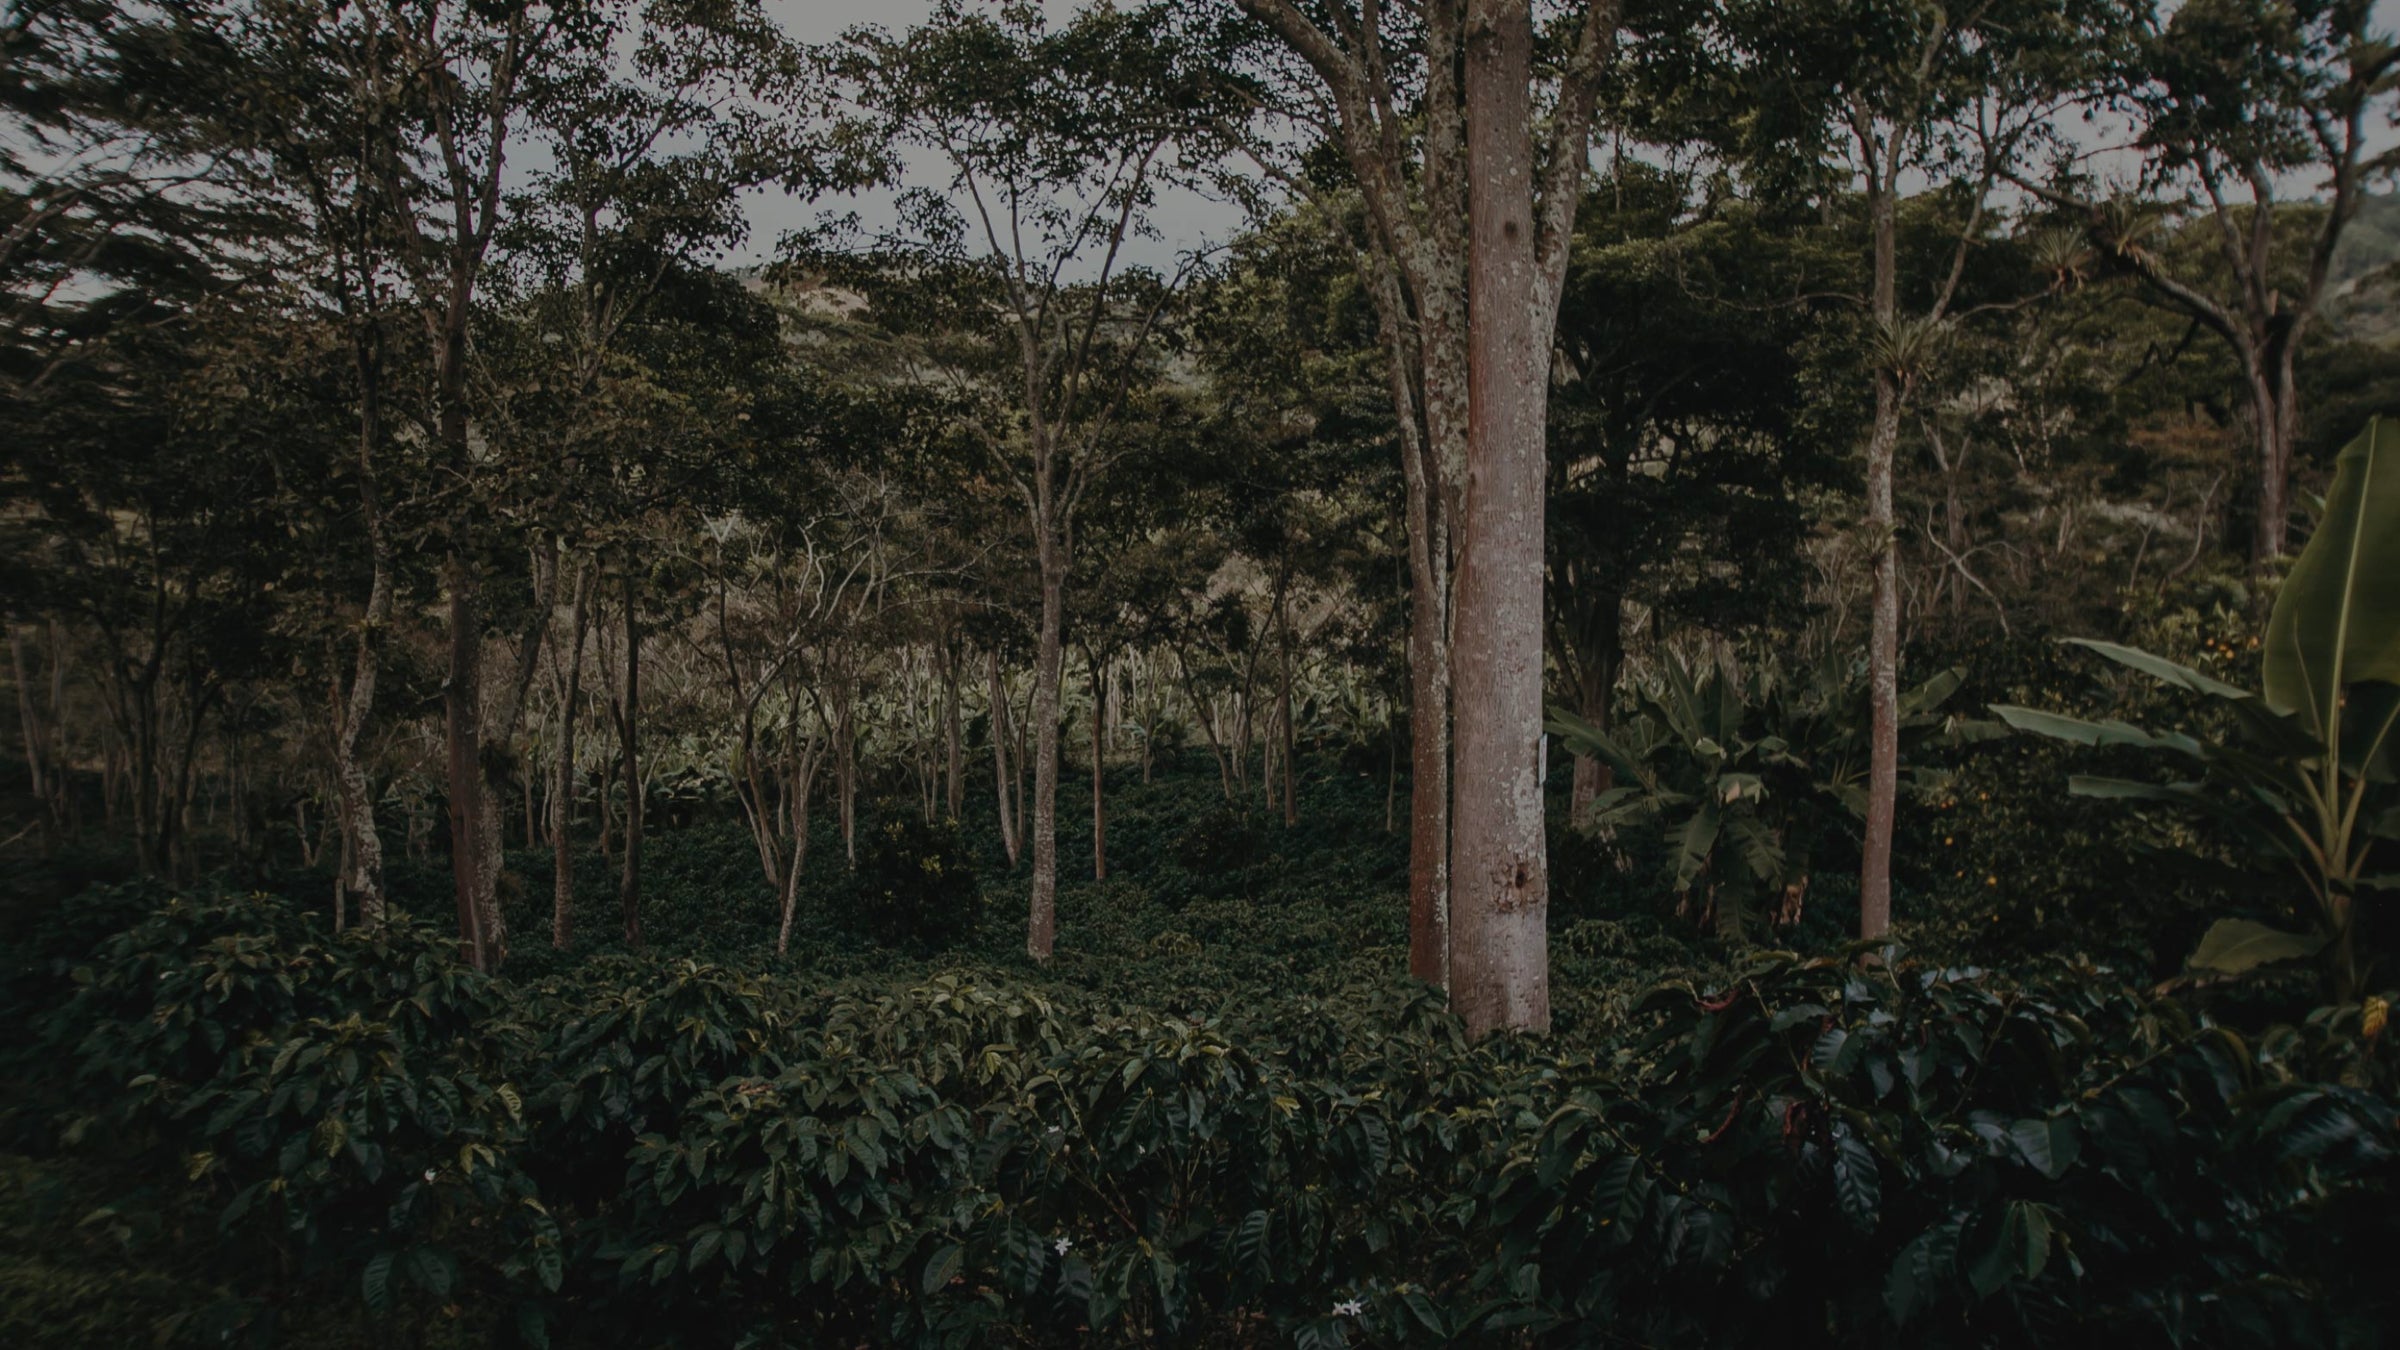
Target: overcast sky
[(1187, 222)]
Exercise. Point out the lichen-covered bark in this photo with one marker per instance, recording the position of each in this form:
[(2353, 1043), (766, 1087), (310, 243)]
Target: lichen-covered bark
[(1499, 876)]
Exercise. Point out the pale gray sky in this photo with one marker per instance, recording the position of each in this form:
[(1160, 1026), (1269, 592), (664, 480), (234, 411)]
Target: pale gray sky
[(1186, 221)]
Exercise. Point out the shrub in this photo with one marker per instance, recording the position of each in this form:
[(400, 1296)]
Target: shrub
[(914, 886), (1230, 1125), (1214, 856)]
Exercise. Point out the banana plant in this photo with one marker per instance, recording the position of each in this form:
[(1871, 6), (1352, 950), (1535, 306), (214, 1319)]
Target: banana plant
[(2308, 774), (1747, 774)]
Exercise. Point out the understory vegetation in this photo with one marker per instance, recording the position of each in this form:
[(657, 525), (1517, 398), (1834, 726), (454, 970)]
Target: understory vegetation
[(1636, 674), (1219, 1117)]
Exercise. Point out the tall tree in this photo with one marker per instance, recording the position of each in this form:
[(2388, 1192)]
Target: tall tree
[(1866, 97), (650, 142), (1679, 454), (1057, 142), (1468, 221), (2237, 103), (460, 79)]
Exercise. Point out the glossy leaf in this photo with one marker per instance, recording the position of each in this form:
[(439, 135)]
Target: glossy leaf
[(2233, 946), (2336, 620)]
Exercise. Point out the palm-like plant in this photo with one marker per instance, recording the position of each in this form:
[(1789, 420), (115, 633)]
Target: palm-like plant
[(2308, 775), (1748, 774)]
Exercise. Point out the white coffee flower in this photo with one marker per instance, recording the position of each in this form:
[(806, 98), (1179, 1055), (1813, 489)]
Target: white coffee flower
[(428, 1176), (1349, 1307), (1061, 1246)]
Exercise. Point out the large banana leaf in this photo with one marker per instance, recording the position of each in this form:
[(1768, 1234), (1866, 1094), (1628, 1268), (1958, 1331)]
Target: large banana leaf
[(1583, 738), (2160, 668), (2060, 727), (1694, 842), (1933, 693), (2337, 620)]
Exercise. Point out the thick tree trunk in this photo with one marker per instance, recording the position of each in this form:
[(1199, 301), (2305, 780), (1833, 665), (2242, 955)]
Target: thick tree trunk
[(1499, 885), (1883, 620), (999, 734), (1041, 920), (629, 879), (562, 792)]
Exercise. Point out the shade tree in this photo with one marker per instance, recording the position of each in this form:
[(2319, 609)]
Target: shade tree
[(1053, 145)]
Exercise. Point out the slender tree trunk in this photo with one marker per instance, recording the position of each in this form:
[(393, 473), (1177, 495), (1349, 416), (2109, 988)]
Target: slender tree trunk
[(39, 774), (1429, 346), (1291, 744), (463, 741), (109, 756), (1269, 764), (761, 814), (1019, 751), (603, 790), (360, 884), (2275, 415), (999, 734), (764, 819), (562, 792), (803, 779), (1099, 768), (64, 802), (1041, 923), (1499, 898), (845, 774), (341, 869), (954, 786), (629, 880), (1883, 622), (1208, 725), (1595, 684), (1149, 716)]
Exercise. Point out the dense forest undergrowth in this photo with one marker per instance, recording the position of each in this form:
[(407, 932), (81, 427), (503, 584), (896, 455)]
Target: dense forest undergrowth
[(718, 673), (1220, 1116)]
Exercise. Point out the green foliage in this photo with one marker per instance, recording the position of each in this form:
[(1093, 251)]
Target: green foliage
[(1907, 1154), (2336, 622), (1218, 845), (2306, 778), (340, 1101), (914, 885), (1751, 774), (1167, 1144)]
